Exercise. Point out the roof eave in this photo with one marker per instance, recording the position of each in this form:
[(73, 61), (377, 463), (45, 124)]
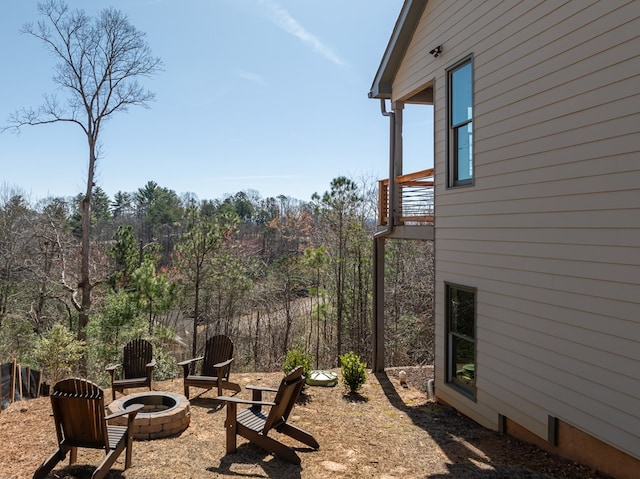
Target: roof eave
[(400, 37)]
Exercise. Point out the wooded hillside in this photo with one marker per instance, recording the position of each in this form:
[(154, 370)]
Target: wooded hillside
[(275, 274)]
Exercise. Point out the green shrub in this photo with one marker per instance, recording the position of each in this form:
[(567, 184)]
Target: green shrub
[(354, 372), (297, 357), (164, 342), (166, 364), (58, 352)]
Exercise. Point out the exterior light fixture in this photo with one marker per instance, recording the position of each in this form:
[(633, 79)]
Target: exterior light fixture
[(436, 51)]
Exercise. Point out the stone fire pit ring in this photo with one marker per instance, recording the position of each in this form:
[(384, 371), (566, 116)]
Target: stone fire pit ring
[(163, 414)]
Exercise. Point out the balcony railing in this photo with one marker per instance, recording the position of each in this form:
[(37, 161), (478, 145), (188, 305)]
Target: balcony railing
[(415, 198)]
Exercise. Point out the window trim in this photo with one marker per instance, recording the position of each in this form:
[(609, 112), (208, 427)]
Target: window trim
[(452, 181), (451, 380)]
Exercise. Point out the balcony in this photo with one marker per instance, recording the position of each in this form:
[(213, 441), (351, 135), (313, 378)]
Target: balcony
[(415, 199)]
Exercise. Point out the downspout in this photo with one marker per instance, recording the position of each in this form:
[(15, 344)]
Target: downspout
[(378, 251), (392, 174)]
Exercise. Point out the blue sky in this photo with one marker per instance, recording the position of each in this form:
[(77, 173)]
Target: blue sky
[(267, 95)]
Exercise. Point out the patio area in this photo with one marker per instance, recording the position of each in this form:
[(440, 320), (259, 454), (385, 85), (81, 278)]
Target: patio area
[(388, 431)]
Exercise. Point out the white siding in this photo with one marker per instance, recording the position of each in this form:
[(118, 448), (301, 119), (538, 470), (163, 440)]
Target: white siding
[(550, 232)]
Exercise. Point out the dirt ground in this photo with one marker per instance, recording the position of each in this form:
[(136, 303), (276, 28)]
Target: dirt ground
[(387, 431)]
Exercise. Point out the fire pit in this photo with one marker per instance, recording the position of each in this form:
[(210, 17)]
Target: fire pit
[(164, 414)]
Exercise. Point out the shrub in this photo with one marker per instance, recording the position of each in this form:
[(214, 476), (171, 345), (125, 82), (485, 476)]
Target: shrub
[(166, 364), (354, 372), (58, 352), (297, 357), (17, 340)]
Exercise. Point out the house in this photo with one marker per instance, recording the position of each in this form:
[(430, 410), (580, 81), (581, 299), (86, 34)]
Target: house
[(533, 205)]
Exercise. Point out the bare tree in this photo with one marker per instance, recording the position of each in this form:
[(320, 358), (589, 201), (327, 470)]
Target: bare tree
[(100, 61)]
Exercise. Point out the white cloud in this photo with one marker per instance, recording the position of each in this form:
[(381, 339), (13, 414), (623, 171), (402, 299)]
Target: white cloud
[(252, 77), (286, 22)]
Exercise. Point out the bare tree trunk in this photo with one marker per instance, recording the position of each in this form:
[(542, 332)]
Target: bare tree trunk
[(288, 318), (85, 279), (196, 314), (256, 341)]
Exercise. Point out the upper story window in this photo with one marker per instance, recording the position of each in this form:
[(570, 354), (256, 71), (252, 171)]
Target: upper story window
[(460, 119)]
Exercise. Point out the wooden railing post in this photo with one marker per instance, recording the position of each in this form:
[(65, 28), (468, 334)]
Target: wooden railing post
[(415, 198), (383, 201)]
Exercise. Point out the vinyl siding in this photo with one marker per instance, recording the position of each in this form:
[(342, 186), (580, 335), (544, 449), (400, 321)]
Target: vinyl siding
[(549, 234)]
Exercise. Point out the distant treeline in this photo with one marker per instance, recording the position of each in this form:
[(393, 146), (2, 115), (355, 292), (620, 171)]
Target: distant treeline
[(275, 274)]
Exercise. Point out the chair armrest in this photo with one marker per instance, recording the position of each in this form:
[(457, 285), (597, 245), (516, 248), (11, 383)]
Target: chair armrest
[(261, 388), (256, 392), (133, 409), (112, 371), (152, 364), (245, 401), (186, 362), (223, 363)]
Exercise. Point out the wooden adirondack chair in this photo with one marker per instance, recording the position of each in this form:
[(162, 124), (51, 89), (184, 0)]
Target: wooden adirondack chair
[(216, 367), (137, 367), (78, 413), (254, 424)]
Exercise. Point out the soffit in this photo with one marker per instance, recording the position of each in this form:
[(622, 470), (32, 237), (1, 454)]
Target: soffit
[(400, 37)]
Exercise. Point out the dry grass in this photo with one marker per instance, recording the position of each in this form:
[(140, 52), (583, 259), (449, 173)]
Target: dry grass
[(386, 432)]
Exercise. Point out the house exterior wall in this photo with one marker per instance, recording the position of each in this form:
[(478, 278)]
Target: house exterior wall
[(549, 233)]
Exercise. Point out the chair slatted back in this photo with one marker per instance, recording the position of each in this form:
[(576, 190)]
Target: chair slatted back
[(78, 411), (285, 399), (137, 354), (217, 350)]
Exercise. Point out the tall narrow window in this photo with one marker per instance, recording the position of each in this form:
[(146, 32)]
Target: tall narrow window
[(460, 92), (461, 337)]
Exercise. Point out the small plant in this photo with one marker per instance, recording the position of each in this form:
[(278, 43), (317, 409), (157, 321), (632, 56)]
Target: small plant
[(354, 372), (166, 365), (58, 352), (297, 357)]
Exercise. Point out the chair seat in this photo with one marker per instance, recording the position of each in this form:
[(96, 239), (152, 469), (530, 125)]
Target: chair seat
[(116, 434), (252, 418), (130, 382), (192, 378)]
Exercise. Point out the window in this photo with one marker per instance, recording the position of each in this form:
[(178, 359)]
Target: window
[(460, 118), (461, 337)]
